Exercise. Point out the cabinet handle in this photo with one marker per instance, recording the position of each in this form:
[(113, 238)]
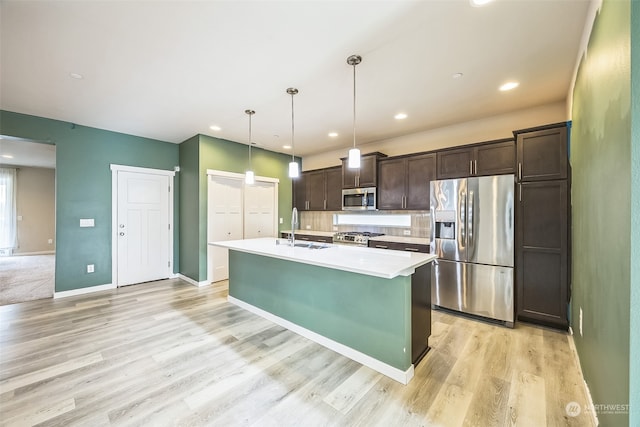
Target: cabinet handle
[(382, 247), (470, 167), (412, 249), (520, 192), (325, 204), (475, 166), (519, 171)]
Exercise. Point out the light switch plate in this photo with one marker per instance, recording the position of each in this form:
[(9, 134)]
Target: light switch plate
[(87, 222), (90, 268)]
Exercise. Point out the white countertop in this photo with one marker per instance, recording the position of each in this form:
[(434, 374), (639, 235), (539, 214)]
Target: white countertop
[(369, 261)]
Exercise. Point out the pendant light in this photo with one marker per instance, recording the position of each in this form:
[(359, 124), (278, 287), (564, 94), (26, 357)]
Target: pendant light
[(354, 153), (249, 176), (294, 171)]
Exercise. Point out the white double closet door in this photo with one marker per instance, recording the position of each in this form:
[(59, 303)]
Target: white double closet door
[(237, 211)]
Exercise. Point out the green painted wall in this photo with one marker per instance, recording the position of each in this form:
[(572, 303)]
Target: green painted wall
[(601, 192), (189, 207), (634, 354), (83, 189), (369, 314), (204, 152)]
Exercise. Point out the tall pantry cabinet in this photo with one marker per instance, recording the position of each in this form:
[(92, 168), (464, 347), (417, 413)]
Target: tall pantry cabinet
[(542, 225)]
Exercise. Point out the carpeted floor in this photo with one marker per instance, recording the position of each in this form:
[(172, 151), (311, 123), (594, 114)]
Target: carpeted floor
[(26, 278)]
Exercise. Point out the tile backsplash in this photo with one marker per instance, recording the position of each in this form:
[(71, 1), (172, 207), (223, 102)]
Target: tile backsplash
[(323, 221)]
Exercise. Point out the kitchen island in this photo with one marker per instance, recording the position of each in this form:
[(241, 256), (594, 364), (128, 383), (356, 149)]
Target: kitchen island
[(370, 305)]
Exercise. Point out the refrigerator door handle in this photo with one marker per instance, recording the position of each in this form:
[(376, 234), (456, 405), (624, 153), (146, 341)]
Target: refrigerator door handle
[(470, 216), (463, 220)]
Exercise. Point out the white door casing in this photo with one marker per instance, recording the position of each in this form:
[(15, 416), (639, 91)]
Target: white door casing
[(142, 224)]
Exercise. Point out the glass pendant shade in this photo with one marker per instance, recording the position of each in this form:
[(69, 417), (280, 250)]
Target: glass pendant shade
[(293, 170), (249, 178), (354, 158)]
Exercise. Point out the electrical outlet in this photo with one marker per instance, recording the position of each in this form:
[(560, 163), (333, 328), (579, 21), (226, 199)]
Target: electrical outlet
[(406, 232), (308, 227), (281, 220), (580, 322), (90, 268), (50, 241)]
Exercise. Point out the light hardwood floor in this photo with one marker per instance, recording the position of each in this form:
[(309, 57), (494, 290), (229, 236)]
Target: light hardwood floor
[(170, 354)]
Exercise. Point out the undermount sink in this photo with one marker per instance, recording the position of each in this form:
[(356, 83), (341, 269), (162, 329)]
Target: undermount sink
[(310, 246)]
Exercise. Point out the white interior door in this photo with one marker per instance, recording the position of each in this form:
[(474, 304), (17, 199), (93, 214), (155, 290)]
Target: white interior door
[(259, 211), (224, 222), (143, 227)]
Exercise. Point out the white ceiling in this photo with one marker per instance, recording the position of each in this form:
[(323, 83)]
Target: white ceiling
[(168, 70), (22, 152)]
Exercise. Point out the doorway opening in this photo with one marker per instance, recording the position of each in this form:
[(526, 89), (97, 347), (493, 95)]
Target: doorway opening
[(27, 219)]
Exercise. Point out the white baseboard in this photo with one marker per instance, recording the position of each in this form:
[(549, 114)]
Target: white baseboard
[(33, 253), (81, 291), (590, 406), (193, 282), (402, 377)]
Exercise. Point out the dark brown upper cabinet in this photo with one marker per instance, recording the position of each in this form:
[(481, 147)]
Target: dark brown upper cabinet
[(542, 153), (365, 176), (403, 183), (318, 190), (333, 183), (487, 158)]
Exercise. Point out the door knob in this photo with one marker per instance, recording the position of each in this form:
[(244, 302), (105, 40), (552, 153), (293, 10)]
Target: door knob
[(122, 233), (121, 225)]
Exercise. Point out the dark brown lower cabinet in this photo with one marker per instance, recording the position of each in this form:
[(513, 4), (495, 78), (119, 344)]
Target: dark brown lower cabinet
[(398, 246), (542, 269)]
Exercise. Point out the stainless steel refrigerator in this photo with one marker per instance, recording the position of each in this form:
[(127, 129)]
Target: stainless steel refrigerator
[(472, 232)]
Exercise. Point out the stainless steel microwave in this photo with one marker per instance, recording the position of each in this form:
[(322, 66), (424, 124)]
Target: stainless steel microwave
[(359, 199)]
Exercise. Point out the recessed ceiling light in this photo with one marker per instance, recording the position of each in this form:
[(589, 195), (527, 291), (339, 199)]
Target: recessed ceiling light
[(478, 3), (508, 86), (457, 75), (400, 116), (286, 147), (215, 128), (333, 134), (7, 156), (76, 76)]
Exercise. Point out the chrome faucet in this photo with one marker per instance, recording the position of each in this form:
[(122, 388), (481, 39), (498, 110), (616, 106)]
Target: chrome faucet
[(294, 223)]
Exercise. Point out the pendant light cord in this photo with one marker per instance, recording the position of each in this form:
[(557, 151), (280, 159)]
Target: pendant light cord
[(250, 143), (354, 105), (293, 147)]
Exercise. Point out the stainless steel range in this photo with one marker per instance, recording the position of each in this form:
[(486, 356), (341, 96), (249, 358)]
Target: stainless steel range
[(358, 238)]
